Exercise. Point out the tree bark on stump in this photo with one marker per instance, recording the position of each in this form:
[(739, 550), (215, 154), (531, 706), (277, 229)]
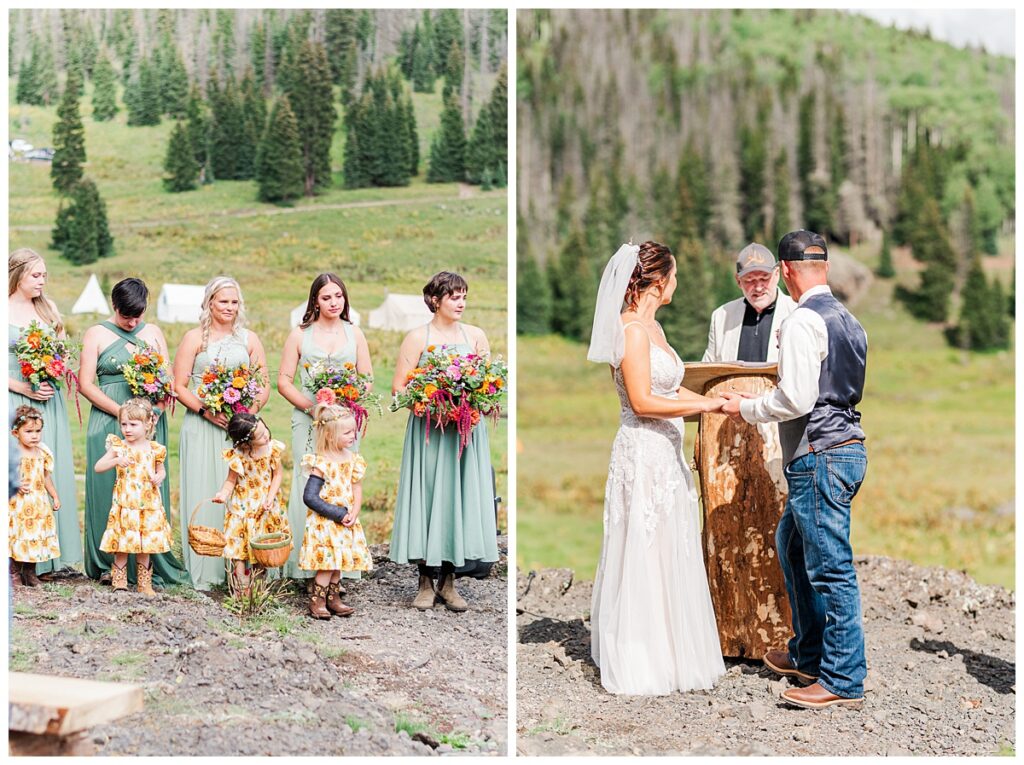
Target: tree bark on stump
[(744, 493)]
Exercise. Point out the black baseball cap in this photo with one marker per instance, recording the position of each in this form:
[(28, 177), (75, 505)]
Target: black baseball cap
[(794, 246)]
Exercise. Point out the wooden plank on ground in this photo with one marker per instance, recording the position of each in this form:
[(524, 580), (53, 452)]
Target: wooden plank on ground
[(58, 706)]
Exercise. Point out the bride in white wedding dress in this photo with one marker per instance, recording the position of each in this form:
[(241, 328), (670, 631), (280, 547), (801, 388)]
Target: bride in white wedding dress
[(652, 624)]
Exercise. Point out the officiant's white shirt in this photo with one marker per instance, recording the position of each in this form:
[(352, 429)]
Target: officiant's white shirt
[(727, 325), (803, 345)]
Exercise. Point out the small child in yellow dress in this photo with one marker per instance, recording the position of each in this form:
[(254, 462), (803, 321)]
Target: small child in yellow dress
[(334, 539), (250, 490), (136, 523), (32, 529)]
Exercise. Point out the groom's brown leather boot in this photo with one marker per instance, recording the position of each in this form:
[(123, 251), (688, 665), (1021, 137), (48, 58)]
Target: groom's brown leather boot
[(778, 661), (816, 697)]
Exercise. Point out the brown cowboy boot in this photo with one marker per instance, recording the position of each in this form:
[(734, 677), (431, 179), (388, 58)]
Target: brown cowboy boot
[(28, 575), (144, 579), (334, 604), (15, 573), (426, 597), (451, 599), (119, 576), (318, 602)]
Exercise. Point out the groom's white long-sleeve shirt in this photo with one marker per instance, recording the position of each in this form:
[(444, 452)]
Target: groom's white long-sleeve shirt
[(803, 345)]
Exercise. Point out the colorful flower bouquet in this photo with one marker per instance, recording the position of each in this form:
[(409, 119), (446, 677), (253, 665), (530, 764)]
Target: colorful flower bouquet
[(231, 389), (451, 388), (148, 377), (342, 384), (46, 358)]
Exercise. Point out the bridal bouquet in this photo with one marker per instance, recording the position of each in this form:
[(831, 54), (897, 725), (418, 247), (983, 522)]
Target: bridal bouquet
[(454, 389), (148, 377), (231, 389), (342, 384)]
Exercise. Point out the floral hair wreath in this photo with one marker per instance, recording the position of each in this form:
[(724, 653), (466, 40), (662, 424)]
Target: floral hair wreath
[(248, 436), (21, 419), (327, 417)]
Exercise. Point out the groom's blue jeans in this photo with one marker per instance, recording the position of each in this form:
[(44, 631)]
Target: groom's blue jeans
[(813, 542)]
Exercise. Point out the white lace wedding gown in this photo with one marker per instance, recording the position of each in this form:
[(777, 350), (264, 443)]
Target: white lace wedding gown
[(652, 624)]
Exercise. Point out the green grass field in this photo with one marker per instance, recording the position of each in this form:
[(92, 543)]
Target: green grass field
[(377, 240), (940, 427)]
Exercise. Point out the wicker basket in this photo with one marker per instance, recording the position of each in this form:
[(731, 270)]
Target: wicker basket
[(271, 550), (205, 540)]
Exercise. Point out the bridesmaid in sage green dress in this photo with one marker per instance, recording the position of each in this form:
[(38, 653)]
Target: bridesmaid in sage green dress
[(444, 511), (324, 333), (220, 338), (105, 347), (26, 303)]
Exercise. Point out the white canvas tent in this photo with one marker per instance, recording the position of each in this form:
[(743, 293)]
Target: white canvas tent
[(400, 313), (91, 300), (180, 303), (299, 311)]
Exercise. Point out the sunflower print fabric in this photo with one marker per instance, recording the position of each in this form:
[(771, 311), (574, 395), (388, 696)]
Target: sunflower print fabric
[(136, 523), (244, 517), (326, 545), (31, 527)]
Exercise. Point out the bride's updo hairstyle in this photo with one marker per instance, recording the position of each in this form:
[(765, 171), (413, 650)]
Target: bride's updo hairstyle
[(653, 266)]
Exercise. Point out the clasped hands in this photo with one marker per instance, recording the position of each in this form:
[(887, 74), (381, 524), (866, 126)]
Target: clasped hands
[(728, 403)]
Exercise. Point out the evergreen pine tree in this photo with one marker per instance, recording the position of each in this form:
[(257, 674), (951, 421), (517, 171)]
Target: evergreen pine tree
[(143, 97), (573, 289), (311, 97), (753, 157), (886, 269), (423, 64), (481, 156), (68, 141), (1000, 320), (447, 34), (342, 47), (930, 245), (180, 163), (533, 298), (227, 130), (258, 53), (448, 149), (407, 51), (104, 94), (254, 118), (498, 107), (81, 230), (174, 84), (198, 126), (454, 64), (354, 169), (46, 72), (28, 90), (412, 136), (59, 233), (782, 217), (279, 166), (976, 328)]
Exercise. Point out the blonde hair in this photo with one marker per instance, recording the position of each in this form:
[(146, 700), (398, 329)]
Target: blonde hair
[(140, 410), (18, 263), (215, 285), (330, 420)]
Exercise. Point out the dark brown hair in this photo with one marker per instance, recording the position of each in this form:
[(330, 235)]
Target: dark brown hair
[(653, 266), (312, 309), (440, 286)]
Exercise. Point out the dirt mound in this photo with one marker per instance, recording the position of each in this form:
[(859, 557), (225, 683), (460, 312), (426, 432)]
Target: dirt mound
[(388, 680), (941, 679)]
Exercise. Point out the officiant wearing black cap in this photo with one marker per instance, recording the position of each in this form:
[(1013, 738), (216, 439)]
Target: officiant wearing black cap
[(822, 359)]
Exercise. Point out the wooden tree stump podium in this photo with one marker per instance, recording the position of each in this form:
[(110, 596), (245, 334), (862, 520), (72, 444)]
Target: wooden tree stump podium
[(744, 493)]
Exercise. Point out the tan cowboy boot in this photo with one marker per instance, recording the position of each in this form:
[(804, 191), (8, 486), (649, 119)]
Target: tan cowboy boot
[(334, 604), (446, 592), (426, 597), (119, 576), (318, 602), (144, 579)]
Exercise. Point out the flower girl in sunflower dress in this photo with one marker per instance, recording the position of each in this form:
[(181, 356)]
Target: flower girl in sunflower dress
[(136, 523), (334, 540), (250, 491), (31, 527)]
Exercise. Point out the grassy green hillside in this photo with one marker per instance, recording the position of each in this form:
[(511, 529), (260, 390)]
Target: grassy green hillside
[(376, 239), (940, 482)]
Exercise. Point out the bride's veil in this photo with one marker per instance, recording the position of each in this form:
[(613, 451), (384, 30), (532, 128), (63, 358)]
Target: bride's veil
[(607, 340)]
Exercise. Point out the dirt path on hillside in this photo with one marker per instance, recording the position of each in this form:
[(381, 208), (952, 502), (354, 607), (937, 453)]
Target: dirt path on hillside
[(388, 680)]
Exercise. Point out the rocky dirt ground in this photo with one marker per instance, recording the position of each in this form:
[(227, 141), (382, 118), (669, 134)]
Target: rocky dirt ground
[(387, 681), (941, 680)]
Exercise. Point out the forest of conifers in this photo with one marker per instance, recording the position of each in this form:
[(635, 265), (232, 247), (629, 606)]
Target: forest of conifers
[(709, 129)]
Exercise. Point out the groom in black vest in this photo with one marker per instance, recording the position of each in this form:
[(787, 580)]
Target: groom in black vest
[(822, 358)]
